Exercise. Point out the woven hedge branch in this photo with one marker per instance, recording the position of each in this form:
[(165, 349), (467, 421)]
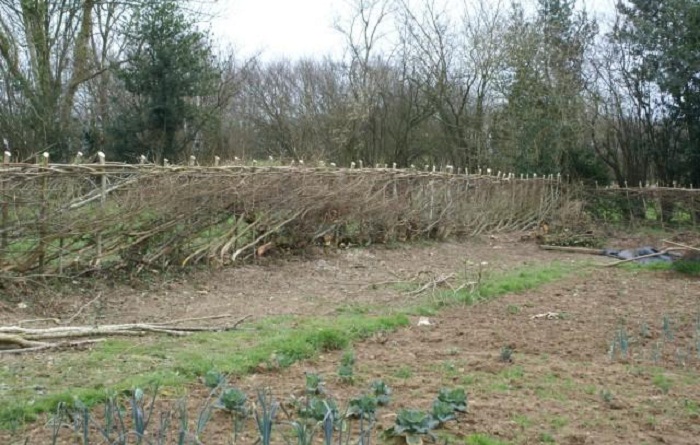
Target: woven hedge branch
[(70, 219)]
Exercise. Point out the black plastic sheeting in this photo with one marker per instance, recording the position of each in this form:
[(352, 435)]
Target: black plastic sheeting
[(629, 254)]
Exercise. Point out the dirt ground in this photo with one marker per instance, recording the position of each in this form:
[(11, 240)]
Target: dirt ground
[(312, 285), (563, 385)]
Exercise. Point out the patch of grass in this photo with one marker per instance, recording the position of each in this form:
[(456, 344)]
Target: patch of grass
[(691, 407), (500, 387), (687, 267), (523, 421), (662, 382), (513, 309), (172, 362), (513, 373), (483, 439), (525, 279), (354, 309), (449, 369), (558, 422), (547, 438), (495, 285), (589, 389), (403, 372), (654, 266)]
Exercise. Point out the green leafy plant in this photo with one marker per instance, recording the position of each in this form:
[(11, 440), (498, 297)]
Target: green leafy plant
[(443, 411), (345, 371), (317, 409), (234, 400), (303, 432), (607, 396), (381, 391), (365, 406), (411, 424), (213, 379), (456, 398), (506, 355), (314, 383)]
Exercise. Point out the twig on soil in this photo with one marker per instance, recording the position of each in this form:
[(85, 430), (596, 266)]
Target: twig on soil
[(210, 317), (40, 346), (574, 249), (99, 295), (434, 283)]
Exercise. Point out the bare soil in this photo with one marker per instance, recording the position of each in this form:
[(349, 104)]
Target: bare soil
[(562, 386)]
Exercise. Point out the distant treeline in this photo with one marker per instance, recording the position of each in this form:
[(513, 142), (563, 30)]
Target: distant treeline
[(489, 85)]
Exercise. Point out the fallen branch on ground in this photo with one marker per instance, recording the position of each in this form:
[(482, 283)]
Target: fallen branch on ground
[(683, 246), (25, 346), (574, 249), (16, 339)]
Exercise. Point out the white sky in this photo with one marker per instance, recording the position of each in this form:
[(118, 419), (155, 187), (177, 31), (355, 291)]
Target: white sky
[(280, 28), (297, 28)]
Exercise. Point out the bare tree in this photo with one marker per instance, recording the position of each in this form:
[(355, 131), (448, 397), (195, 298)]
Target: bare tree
[(45, 55)]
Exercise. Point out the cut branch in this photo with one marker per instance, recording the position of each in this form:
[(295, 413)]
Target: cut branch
[(16, 339)]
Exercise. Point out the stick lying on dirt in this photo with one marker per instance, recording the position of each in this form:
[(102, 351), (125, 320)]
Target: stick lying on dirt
[(22, 340), (35, 346), (574, 249), (432, 284), (696, 249)]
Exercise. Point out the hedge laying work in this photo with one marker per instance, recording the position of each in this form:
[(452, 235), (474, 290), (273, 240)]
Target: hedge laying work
[(66, 220)]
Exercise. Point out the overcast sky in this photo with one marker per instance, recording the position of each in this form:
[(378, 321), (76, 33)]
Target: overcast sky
[(295, 28)]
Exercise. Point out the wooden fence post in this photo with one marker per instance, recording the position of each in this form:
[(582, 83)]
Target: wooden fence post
[(44, 162), (103, 199), (5, 204)]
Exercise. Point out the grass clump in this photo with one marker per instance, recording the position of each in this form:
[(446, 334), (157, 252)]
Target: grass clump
[(487, 286), (687, 266), (662, 382), (483, 439), (345, 371)]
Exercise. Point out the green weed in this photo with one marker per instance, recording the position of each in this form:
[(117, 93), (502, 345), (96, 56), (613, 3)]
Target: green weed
[(662, 382)]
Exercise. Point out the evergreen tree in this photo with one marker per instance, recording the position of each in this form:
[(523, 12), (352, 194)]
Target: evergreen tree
[(665, 40), (545, 102), (169, 69)]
